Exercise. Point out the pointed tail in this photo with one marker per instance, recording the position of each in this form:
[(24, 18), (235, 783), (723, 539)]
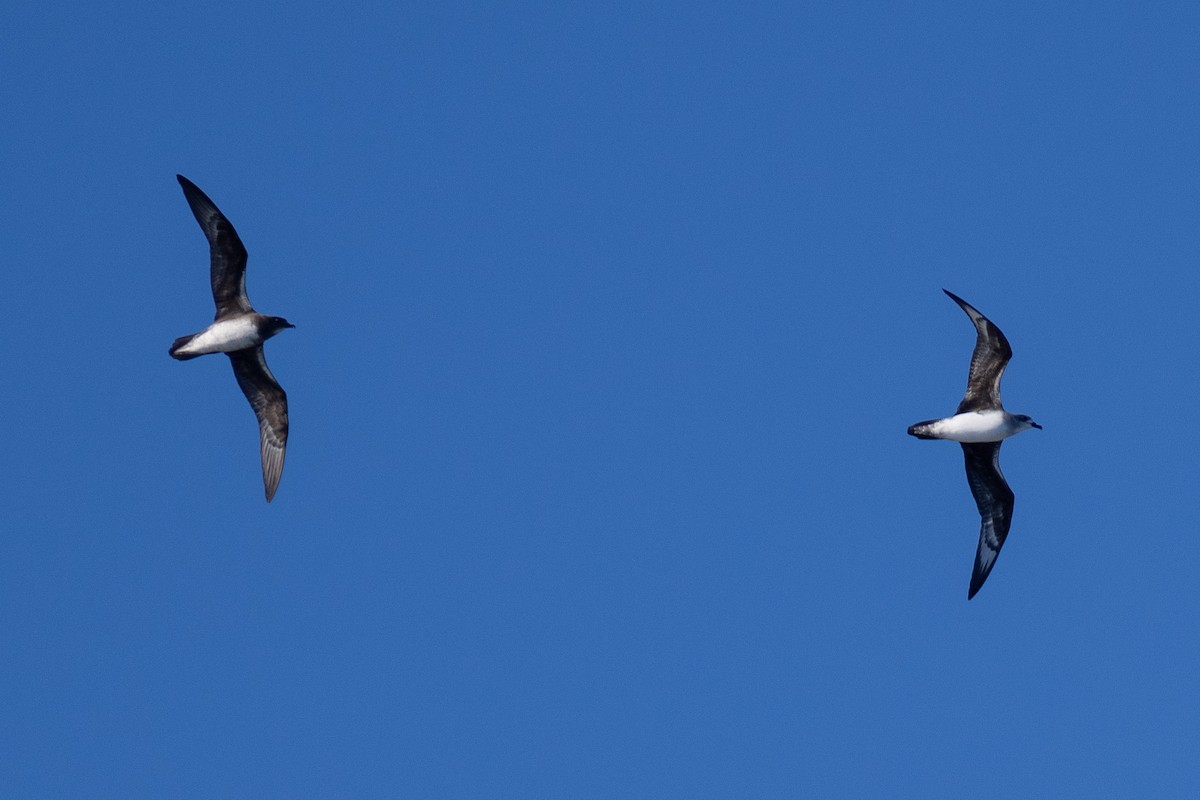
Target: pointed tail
[(923, 430), (180, 343)]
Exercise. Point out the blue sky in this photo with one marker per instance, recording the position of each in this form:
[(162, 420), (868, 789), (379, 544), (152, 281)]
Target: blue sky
[(610, 321)]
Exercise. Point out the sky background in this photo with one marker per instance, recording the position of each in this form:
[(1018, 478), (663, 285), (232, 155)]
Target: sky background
[(610, 321)]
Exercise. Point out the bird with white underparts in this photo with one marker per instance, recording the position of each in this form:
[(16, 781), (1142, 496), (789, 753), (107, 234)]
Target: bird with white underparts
[(239, 331), (980, 425)]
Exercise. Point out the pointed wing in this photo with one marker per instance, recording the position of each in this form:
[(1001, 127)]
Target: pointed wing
[(227, 270), (991, 355), (995, 502), (270, 406)]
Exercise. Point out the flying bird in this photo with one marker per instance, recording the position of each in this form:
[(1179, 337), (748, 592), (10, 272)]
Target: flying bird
[(239, 331), (981, 424)]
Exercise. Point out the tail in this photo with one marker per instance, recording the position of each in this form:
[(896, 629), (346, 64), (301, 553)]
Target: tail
[(180, 343), (923, 430)]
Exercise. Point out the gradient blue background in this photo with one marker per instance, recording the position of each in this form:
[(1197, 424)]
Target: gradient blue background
[(610, 320)]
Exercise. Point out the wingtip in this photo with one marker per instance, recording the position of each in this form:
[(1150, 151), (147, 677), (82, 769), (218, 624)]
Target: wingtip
[(270, 488), (187, 185), (977, 581), (271, 483), (971, 311), (953, 296)]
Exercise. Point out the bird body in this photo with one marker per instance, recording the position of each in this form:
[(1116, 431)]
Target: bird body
[(225, 336), (986, 425)]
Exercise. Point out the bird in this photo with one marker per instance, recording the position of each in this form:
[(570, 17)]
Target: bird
[(980, 425), (239, 331)]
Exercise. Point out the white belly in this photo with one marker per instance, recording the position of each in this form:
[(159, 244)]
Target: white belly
[(224, 337), (974, 426)]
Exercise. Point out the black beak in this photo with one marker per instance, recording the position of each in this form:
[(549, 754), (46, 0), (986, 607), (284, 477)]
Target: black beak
[(1031, 422)]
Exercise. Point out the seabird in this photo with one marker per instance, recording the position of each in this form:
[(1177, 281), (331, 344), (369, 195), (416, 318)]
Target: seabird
[(981, 424), (239, 331)]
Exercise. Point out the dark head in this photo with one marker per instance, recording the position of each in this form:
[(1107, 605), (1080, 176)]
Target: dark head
[(273, 325), (1025, 422)]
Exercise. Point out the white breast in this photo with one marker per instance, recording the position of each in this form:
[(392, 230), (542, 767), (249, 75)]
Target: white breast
[(225, 337), (974, 426)]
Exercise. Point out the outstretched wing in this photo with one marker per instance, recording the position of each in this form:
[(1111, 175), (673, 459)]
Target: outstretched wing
[(227, 270), (995, 502), (991, 355), (269, 402)]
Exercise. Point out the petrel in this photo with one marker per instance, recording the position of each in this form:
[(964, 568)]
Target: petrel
[(239, 331), (981, 424)]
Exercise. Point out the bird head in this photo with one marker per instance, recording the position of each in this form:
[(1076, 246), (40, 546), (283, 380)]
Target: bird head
[(276, 324)]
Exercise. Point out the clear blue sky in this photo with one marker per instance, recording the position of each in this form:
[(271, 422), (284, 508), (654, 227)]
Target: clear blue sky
[(610, 321)]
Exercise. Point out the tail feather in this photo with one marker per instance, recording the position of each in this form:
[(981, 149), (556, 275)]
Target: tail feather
[(923, 430), (181, 342)]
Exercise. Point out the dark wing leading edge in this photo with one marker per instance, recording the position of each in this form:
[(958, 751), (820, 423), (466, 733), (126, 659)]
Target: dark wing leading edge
[(995, 502), (228, 256), (991, 355), (270, 406)]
